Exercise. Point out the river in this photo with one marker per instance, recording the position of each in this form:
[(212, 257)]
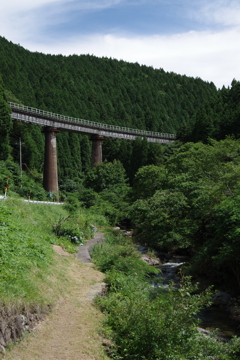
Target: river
[(213, 317)]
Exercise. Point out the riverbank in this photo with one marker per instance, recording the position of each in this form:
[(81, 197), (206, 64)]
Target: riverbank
[(146, 319), (70, 331)]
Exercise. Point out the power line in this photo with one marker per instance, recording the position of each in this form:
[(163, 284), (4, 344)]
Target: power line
[(38, 177)]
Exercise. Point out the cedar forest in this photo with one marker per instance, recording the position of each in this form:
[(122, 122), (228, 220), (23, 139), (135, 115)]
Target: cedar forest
[(183, 195)]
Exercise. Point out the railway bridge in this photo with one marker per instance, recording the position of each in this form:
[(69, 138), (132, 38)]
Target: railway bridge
[(52, 123)]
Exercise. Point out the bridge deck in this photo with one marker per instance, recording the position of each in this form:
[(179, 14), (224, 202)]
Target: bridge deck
[(45, 118)]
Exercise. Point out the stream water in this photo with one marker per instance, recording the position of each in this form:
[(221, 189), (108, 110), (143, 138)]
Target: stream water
[(213, 317), (216, 318)]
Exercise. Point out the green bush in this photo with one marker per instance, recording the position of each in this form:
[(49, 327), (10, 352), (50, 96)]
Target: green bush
[(72, 203), (26, 186), (162, 327), (105, 176), (149, 323), (88, 197), (114, 248), (75, 228)]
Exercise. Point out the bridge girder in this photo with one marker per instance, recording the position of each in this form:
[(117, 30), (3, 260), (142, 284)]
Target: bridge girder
[(52, 123)]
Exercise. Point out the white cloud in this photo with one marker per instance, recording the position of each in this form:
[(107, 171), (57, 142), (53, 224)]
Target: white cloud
[(212, 56), (23, 19), (219, 12)]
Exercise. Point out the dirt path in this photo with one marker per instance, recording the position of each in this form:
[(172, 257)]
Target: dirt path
[(70, 332)]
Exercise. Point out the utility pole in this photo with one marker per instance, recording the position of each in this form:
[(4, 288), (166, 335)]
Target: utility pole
[(20, 158), (20, 143)]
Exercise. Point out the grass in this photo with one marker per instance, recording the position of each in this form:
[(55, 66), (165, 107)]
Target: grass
[(70, 330), (26, 254), (34, 279)]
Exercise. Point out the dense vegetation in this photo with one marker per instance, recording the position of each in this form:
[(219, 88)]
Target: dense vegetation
[(217, 118), (192, 202), (27, 233), (181, 197), (149, 323), (189, 203), (98, 89)]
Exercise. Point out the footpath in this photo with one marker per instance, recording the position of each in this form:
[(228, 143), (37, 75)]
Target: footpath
[(85, 250), (71, 330)]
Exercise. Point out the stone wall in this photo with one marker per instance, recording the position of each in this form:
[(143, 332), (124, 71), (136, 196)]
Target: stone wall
[(15, 321)]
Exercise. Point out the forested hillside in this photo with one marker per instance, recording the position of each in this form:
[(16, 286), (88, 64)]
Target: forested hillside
[(217, 118), (181, 198), (99, 89)]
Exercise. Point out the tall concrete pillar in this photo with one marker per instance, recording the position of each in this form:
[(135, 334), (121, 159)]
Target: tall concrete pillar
[(96, 149), (50, 171)]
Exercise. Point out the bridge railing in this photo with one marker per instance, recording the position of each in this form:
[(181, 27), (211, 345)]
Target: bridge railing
[(89, 123)]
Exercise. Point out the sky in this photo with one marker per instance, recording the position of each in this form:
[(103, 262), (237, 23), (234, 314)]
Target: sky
[(198, 38)]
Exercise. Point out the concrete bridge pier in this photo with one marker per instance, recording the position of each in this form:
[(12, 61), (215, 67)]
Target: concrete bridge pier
[(96, 149), (50, 171)]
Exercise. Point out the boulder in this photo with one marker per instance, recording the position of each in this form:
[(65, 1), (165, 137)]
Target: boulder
[(151, 261), (221, 298)]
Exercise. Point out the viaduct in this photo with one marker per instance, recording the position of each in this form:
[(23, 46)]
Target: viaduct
[(52, 123)]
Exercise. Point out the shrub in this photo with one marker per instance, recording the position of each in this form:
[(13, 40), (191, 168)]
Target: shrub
[(152, 326), (72, 203), (159, 328), (73, 227)]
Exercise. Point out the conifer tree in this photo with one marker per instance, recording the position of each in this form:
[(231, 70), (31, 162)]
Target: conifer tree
[(5, 125)]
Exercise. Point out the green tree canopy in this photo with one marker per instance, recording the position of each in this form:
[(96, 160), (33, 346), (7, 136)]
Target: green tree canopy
[(106, 175), (5, 125)]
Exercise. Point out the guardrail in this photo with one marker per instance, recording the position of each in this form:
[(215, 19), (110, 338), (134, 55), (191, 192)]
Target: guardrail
[(2, 197), (89, 123)]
